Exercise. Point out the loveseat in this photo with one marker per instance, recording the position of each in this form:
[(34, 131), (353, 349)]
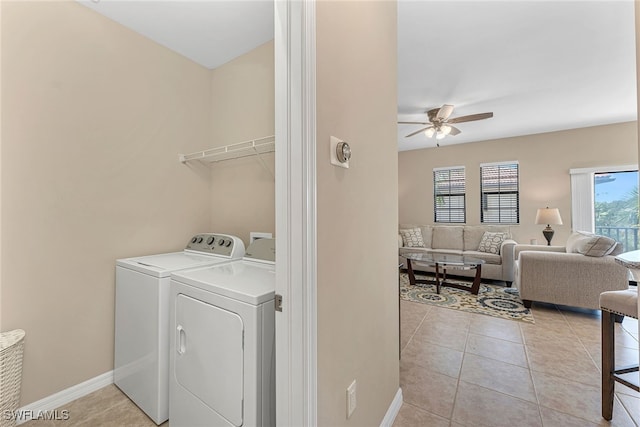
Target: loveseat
[(573, 275), (497, 248)]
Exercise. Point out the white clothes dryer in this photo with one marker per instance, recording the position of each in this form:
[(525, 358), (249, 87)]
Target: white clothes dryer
[(222, 362), (141, 360)]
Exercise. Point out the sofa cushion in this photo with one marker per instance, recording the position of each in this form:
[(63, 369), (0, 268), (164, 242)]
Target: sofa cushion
[(404, 251), (447, 237), (446, 251), (472, 236), (427, 233), (485, 256), (597, 246), (491, 242), (412, 237)]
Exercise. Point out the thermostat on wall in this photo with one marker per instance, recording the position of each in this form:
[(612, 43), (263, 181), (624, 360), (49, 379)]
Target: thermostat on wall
[(340, 152)]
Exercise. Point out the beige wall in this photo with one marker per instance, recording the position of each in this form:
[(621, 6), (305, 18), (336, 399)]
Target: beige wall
[(243, 192), (357, 210), (545, 160), (94, 116)]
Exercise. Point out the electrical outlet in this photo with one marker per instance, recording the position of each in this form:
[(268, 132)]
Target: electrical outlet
[(351, 398)]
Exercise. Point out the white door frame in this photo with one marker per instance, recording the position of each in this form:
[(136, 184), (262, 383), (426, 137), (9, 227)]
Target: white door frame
[(295, 117)]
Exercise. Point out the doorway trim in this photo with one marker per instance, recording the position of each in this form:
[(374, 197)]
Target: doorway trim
[(295, 124)]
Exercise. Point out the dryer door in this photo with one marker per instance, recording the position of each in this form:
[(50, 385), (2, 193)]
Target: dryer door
[(209, 356)]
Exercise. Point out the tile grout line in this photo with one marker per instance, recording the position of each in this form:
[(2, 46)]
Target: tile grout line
[(533, 384), (573, 331), (414, 331), (621, 403), (580, 340), (455, 395)]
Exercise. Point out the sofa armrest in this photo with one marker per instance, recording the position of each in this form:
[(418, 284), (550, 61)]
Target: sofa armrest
[(568, 278), (539, 248), (508, 260)]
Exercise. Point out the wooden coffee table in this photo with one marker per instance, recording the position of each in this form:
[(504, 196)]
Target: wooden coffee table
[(442, 262)]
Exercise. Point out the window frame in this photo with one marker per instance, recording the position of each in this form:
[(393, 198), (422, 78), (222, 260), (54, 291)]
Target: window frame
[(582, 194), (452, 213), (484, 193)]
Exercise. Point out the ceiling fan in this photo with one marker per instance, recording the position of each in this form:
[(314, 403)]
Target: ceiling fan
[(439, 123)]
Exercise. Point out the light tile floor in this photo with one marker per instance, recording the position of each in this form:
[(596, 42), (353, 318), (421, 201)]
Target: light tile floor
[(107, 407), (462, 369)]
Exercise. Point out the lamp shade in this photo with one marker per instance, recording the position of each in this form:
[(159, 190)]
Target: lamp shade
[(548, 216)]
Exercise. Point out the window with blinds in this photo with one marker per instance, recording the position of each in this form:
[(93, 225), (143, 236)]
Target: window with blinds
[(449, 194), (500, 195)]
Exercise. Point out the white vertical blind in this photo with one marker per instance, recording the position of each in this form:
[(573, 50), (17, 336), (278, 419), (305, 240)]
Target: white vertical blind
[(582, 218)]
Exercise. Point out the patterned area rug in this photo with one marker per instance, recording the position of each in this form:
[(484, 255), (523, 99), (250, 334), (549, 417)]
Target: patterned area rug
[(492, 300)]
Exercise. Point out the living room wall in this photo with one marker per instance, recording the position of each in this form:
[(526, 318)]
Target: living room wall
[(545, 160)]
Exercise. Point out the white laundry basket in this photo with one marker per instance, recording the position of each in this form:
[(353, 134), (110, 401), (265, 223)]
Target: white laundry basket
[(11, 349)]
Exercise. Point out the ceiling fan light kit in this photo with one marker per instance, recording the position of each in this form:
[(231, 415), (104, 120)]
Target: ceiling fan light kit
[(439, 123)]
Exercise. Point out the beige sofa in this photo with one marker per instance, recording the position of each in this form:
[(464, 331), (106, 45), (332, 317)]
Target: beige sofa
[(465, 240), (566, 276)]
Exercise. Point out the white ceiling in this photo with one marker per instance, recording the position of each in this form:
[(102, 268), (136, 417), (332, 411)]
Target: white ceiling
[(209, 32), (539, 66)]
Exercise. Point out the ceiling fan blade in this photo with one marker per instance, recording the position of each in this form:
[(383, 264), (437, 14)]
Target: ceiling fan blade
[(470, 118), (418, 131), (444, 112), (413, 123), (454, 130)]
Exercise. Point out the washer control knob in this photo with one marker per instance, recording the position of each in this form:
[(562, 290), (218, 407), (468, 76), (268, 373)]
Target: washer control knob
[(195, 239), (210, 240), (199, 239), (221, 242), (228, 243)]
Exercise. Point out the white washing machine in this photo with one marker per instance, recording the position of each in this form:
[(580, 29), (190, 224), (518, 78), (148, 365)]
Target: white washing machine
[(141, 362), (222, 363)]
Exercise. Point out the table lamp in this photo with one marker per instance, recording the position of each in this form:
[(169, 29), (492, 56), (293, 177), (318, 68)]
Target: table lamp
[(548, 216)]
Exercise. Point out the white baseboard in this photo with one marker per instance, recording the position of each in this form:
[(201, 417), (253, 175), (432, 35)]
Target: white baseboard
[(63, 397), (393, 410)]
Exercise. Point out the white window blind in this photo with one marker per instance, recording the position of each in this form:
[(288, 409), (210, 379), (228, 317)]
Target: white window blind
[(500, 194), (449, 194)]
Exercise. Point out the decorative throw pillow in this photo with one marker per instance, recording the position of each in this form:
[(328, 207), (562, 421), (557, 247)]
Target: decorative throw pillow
[(491, 242), (576, 240), (597, 246), (412, 238), (617, 250)]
